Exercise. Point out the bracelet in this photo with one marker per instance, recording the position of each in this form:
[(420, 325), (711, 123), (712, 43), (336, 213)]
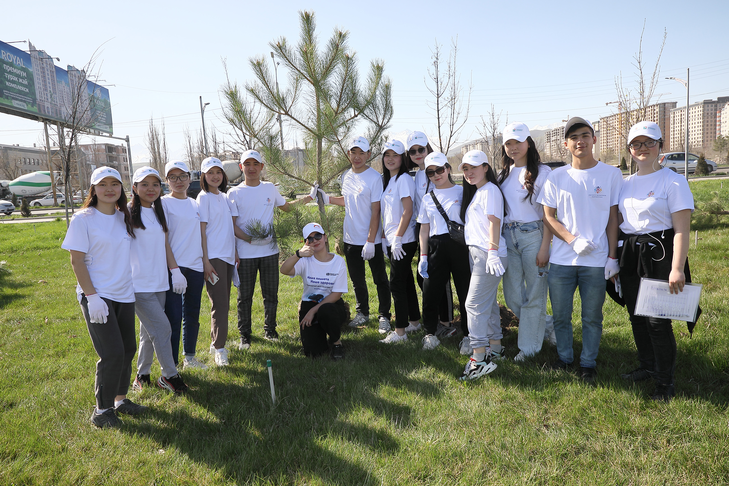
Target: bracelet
[(297, 254)]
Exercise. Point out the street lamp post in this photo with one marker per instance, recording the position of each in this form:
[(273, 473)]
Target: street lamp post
[(280, 123), (202, 115), (686, 143)]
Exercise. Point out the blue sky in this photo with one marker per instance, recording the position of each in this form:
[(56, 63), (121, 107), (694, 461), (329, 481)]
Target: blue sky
[(538, 64)]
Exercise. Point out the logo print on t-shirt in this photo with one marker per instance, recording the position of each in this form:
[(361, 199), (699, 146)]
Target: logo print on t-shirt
[(598, 189), (651, 194)]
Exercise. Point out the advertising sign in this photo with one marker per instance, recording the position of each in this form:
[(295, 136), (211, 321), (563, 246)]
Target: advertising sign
[(32, 84)]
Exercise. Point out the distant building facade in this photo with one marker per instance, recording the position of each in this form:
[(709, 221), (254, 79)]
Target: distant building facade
[(704, 117), (614, 128), (16, 161)]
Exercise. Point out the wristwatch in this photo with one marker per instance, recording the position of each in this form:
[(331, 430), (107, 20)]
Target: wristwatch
[(297, 254)]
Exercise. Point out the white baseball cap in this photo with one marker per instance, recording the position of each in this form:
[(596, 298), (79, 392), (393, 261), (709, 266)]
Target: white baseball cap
[(143, 172), (474, 158), (417, 138), (436, 159), (251, 154), (394, 145), (313, 228), (178, 164), (645, 128), (516, 131), (361, 143), (209, 163), (102, 172), (574, 121)]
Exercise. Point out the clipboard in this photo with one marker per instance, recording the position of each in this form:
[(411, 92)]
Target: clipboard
[(655, 300)]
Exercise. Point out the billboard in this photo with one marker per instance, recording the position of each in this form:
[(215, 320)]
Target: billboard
[(32, 84)]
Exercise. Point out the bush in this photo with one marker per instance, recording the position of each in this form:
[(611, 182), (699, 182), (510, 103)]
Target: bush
[(702, 168), (25, 209), (15, 200)]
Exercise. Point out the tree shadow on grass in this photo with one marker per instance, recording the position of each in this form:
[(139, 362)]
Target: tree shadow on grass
[(10, 288)]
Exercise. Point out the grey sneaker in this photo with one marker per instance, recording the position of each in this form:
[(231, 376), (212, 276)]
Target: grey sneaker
[(413, 327), (465, 346), (128, 407), (384, 325), (106, 420), (394, 337), (430, 342), (193, 362), (359, 320), (445, 331)]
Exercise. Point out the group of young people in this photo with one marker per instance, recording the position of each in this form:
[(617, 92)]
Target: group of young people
[(541, 230)]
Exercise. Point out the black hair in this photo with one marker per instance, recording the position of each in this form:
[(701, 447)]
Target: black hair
[(577, 126), (534, 163), (136, 210), (121, 204), (469, 190), (408, 161), (223, 187), (386, 173)]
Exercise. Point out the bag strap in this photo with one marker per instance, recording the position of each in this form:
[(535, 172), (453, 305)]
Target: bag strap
[(440, 208)]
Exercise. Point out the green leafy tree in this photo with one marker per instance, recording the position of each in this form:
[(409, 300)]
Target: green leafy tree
[(721, 145)]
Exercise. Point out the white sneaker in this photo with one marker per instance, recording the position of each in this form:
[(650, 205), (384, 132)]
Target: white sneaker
[(430, 342), (465, 346), (476, 369), (413, 327), (221, 357), (384, 325), (359, 320), (192, 362), (520, 356), (212, 349), (394, 337)]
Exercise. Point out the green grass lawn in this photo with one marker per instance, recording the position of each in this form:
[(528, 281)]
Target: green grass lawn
[(385, 415)]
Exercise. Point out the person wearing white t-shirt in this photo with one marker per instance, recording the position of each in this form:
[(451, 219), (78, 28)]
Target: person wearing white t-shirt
[(361, 194), (255, 201), (581, 208), (217, 223), (99, 240), (398, 226), (482, 209), (656, 206), (322, 311), (527, 240), (183, 222)]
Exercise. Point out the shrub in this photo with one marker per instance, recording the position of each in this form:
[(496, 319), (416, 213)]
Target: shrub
[(702, 168), (25, 208)]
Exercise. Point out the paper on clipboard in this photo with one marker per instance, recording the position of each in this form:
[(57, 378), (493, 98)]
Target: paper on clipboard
[(655, 300)]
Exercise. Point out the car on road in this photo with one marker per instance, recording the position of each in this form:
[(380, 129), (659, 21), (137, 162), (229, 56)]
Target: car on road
[(6, 207), (47, 200), (675, 162)]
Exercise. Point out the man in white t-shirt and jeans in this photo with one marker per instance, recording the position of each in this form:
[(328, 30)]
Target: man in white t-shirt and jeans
[(581, 208), (361, 194)]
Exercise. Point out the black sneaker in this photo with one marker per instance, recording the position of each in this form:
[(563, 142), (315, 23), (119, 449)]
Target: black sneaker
[(588, 375), (173, 384), (271, 335), (130, 408), (106, 420), (560, 365), (140, 382), (663, 393), (639, 374), (337, 352)]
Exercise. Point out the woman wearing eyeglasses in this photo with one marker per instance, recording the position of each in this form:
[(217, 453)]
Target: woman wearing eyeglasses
[(440, 255), (655, 205), (322, 311)]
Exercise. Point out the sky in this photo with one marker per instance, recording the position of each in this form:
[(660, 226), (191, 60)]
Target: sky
[(536, 62)]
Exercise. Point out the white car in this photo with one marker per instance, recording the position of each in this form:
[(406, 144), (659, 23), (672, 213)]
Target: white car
[(675, 162), (6, 207), (47, 200)]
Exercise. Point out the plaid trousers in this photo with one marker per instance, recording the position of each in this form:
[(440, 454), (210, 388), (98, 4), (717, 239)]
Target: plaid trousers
[(247, 271)]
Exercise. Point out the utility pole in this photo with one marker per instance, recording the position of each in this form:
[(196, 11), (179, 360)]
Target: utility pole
[(686, 143), (278, 116), (202, 115)]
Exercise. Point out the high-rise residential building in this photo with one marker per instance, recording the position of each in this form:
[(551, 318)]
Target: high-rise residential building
[(46, 85), (703, 119), (554, 148), (722, 121), (105, 154), (614, 128)]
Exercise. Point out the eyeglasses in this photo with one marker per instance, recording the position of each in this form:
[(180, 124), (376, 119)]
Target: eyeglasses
[(314, 236), (180, 178), (414, 151), (431, 173), (647, 144)]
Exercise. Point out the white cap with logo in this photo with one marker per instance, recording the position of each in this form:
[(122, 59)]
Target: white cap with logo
[(474, 158), (251, 154), (361, 143), (575, 120), (417, 138), (394, 145), (143, 172), (209, 163), (178, 164), (645, 128), (312, 228), (102, 172), (516, 131), (436, 159)]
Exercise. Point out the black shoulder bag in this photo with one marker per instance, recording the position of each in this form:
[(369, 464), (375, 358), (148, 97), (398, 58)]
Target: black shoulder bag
[(455, 230)]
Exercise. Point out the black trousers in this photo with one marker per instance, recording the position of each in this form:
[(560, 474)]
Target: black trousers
[(356, 270), (327, 322), (446, 258), (445, 304), (402, 285)]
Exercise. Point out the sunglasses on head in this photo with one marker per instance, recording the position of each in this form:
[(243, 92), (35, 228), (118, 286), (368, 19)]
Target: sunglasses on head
[(431, 173), (314, 236), (414, 151)]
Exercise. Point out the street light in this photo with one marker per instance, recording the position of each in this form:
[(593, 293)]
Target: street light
[(202, 115), (686, 143), (280, 123)]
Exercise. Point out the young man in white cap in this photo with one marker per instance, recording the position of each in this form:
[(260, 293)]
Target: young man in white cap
[(361, 194), (256, 244), (581, 208)]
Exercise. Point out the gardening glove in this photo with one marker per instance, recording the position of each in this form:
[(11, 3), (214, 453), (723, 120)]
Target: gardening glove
[(384, 244), (612, 268), (397, 252), (98, 310), (582, 246), (618, 287), (179, 282), (324, 196), (261, 241), (493, 263), (368, 251), (423, 266), (314, 191)]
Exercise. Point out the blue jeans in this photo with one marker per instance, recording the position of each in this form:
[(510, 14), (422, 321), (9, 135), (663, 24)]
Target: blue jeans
[(563, 280), (185, 310), (525, 284)]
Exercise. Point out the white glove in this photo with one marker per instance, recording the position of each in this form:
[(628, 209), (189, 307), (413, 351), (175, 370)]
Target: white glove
[(618, 287), (98, 310), (397, 252), (582, 246), (612, 268), (324, 196), (179, 282), (313, 192), (423, 266), (493, 263), (261, 241), (368, 251)]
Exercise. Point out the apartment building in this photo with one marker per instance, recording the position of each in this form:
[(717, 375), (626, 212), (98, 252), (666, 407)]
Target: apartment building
[(614, 128), (703, 121)]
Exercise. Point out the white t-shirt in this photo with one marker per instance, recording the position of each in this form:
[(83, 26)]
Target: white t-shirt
[(647, 202), (391, 207), (421, 183), (359, 191), (487, 201), (183, 231), (321, 278), (217, 211), (517, 208), (253, 204), (450, 200), (583, 199), (106, 243), (149, 255)]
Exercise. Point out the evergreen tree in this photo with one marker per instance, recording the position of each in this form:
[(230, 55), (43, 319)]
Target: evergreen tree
[(702, 168)]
